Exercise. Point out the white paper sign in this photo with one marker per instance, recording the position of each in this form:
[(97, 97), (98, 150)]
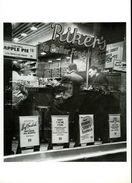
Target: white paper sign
[(113, 52), (86, 126), (114, 126), (29, 131), (20, 50), (119, 65), (60, 129)]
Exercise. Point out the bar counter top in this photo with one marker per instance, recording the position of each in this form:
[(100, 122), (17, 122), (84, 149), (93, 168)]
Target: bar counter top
[(71, 154)]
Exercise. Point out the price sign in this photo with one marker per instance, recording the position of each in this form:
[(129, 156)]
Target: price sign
[(114, 126), (60, 129), (86, 127), (29, 131)]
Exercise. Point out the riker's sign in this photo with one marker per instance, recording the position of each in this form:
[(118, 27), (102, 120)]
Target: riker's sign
[(76, 37)]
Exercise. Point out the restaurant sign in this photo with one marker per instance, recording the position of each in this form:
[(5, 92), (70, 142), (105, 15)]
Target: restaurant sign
[(76, 37), (20, 50), (29, 131), (60, 129), (114, 126), (86, 128), (72, 37)]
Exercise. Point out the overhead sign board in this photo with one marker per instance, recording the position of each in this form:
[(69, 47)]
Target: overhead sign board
[(29, 131), (60, 129), (20, 50), (113, 52), (86, 127)]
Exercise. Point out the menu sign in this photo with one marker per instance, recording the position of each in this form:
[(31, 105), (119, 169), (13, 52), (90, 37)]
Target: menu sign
[(86, 127), (60, 129), (29, 131), (114, 126), (20, 50)]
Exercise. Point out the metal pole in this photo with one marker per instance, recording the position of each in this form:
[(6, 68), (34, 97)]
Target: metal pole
[(87, 66)]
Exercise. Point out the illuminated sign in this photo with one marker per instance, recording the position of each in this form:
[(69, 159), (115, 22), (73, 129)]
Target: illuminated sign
[(76, 37), (53, 48)]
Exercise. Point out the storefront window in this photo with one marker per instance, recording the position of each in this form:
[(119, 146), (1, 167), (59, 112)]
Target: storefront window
[(68, 91)]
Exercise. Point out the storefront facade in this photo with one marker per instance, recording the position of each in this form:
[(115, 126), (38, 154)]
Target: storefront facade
[(64, 106)]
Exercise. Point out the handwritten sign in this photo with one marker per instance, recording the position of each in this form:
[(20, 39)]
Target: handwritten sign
[(20, 50), (86, 126), (60, 129), (29, 131), (114, 126)]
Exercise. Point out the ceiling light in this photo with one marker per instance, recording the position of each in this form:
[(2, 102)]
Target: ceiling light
[(50, 61), (33, 28), (58, 59), (24, 34), (67, 57), (16, 39), (43, 53)]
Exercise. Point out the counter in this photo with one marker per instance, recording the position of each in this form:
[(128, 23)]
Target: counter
[(72, 154)]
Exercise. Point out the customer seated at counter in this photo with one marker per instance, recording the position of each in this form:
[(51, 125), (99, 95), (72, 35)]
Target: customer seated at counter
[(97, 80), (68, 100)]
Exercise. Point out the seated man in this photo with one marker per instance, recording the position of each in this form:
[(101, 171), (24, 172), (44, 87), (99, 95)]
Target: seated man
[(97, 80)]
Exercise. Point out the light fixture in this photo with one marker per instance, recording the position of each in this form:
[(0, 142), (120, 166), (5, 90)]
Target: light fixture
[(68, 57), (43, 53), (16, 39), (50, 61), (33, 28), (23, 34), (58, 59)]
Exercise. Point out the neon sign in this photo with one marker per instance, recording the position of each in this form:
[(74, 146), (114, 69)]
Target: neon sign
[(76, 38)]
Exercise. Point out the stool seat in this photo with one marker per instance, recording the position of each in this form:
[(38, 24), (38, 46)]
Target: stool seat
[(41, 108), (42, 111)]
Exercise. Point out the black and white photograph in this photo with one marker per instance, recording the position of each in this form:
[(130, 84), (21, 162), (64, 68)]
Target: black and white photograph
[(65, 91)]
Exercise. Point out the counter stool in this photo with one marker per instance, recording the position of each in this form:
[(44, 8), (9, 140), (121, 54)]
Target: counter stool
[(42, 110)]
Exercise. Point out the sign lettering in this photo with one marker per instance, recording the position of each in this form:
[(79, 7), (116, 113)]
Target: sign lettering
[(60, 129), (86, 127), (114, 126), (76, 37), (20, 50), (29, 131)]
